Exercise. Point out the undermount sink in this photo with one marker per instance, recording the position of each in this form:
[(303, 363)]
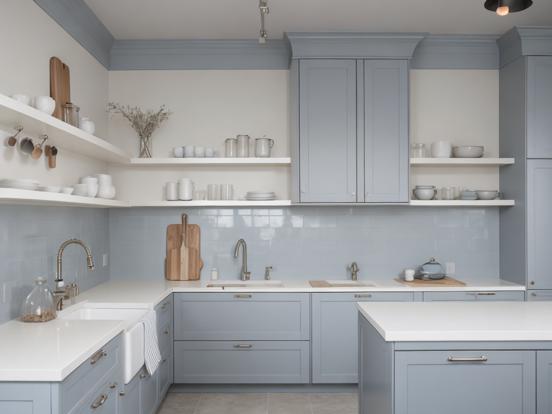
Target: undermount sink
[(246, 284), (133, 335)]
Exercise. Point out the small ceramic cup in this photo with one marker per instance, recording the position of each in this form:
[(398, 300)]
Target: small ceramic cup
[(189, 151)]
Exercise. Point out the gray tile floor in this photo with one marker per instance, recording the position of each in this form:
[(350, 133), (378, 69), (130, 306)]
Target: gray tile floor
[(261, 403)]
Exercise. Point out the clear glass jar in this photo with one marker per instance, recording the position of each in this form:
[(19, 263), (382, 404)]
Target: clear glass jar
[(71, 114), (39, 305), (231, 147), (418, 151), (243, 145)]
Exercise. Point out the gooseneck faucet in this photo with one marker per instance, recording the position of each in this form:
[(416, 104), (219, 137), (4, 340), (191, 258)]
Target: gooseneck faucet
[(68, 292), (354, 270), (244, 274)]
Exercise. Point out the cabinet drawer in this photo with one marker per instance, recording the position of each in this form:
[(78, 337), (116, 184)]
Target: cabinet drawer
[(454, 382), (255, 362), (164, 311), (472, 296), (103, 398), (539, 295), (164, 371), (241, 316), (165, 339), (90, 373), (148, 391)]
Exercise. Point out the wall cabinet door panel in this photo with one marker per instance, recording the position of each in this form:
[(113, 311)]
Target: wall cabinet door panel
[(327, 130), (386, 145), (539, 107), (544, 382), (539, 224)]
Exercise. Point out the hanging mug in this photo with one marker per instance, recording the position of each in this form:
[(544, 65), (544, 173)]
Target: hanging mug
[(263, 147)]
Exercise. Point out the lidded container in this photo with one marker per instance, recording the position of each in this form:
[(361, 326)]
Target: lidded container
[(39, 305)]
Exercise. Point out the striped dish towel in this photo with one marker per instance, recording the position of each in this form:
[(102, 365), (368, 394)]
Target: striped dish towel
[(152, 354)]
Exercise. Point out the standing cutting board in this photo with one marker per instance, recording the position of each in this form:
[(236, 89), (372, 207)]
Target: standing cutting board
[(60, 85), (181, 243), (172, 261), (195, 264)]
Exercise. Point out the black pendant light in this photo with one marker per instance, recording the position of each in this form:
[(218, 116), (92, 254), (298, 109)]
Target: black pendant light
[(504, 7)]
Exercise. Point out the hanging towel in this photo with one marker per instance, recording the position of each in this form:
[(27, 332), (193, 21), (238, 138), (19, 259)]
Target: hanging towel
[(152, 354)]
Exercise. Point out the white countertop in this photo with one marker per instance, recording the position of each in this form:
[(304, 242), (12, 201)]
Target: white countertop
[(460, 321), (50, 351)]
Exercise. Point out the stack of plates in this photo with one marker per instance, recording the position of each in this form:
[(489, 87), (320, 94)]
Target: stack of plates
[(260, 195), (21, 184)]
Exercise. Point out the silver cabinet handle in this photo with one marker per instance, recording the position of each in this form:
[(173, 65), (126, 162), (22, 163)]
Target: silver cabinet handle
[(486, 293), (113, 386), (122, 394), (243, 296), (243, 346), (164, 360), (97, 356), (166, 331), (143, 376), (482, 358), (99, 401), (363, 296)]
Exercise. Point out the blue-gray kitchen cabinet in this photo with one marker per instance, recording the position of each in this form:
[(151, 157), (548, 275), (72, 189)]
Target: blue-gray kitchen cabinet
[(165, 313), (489, 296), (327, 130), (335, 333), (539, 295), (25, 398), (129, 397), (539, 223), (385, 146), (459, 382), (242, 362), (241, 316), (149, 391), (539, 107), (544, 382)]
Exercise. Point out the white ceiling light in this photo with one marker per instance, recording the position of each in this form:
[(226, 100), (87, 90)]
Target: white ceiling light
[(264, 10)]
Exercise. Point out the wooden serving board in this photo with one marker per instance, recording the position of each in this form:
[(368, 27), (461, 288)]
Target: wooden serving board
[(172, 261), (60, 85), (195, 264), (446, 282), (176, 248)]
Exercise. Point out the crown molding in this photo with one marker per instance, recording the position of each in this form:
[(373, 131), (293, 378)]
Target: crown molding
[(525, 41)]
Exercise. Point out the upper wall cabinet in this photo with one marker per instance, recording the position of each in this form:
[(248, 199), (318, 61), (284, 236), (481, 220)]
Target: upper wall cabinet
[(328, 130), (539, 107), (350, 117)]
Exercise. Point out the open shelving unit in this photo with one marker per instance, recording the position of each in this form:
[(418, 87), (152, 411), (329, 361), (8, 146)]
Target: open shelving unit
[(62, 134), (160, 162), (43, 198), (213, 203), (461, 161), (462, 203)]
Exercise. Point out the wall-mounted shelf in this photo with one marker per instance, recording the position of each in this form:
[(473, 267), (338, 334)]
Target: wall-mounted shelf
[(462, 203), (43, 198), (160, 162), (212, 203), (461, 161), (61, 134)]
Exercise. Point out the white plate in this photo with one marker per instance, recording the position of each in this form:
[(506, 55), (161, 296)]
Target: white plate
[(259, 194), (21, 184)]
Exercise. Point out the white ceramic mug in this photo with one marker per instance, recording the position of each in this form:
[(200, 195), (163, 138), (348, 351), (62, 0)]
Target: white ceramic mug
[(171, 191), (441, 149), (185, 189), (199, 151), (263, 147), (45, 104), (189, 151), (409, 275)]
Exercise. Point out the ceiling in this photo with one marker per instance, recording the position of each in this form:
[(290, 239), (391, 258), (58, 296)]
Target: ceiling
[(239, 19)]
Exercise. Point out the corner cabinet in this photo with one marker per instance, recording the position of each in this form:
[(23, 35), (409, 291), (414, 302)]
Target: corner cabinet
[(351, 138)]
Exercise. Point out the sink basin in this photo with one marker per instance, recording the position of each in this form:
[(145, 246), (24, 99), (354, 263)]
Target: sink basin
[(133, 335), (246, 284), (340, 283)]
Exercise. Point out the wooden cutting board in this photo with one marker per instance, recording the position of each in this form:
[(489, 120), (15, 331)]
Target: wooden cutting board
[(184, 251), (446, 282), (60, 85), (195, 264), (172, 261)]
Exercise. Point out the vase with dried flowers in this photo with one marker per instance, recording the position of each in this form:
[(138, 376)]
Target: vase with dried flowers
[(143, 122)]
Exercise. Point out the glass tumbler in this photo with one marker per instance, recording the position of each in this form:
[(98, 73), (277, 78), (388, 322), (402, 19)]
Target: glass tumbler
[(231, 147), (418, 150), (213, 192), (243, 145)]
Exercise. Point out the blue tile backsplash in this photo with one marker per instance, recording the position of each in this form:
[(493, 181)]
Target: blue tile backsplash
[(312, 242), (29, 240)]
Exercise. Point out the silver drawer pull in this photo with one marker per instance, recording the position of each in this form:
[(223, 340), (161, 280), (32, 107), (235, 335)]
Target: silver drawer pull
[(164, 360), (143, 375), (243, 346), (482, 358), (486, 293), (122, 394), (99, 401), (243, 296), (166, 332), (363, 296), (113, 386), (97, 356)]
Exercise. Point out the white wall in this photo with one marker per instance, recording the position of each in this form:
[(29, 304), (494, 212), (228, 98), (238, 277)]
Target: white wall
[(28, 38)]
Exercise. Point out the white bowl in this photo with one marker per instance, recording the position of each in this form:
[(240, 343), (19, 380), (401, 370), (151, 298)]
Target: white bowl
[(81, 190), (107, 192), (50, 188), (425, 193), (487, 194), (67, 190), (89, 180), (45, 104), (468, 151), (24, 99)]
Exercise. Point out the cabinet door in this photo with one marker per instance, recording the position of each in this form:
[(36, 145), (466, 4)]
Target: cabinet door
[(386, 161), (539, 295), (544, 382), (335, 333), (129, 399), (539, 107), (539, 223), (489, 296), (148, 391), (327, 130), (460, 382), (25, 398)]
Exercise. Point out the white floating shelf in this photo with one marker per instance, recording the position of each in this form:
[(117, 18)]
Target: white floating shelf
[(212, 203), (159, 162), (462, 203), (461, 161), (43, 198), (61, 134)]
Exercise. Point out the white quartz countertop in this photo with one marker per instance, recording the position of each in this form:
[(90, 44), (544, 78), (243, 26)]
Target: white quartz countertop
[(51, 351), (460, 321)]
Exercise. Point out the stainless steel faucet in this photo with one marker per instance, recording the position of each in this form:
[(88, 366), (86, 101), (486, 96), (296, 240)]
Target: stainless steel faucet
[(244, 274), (68, 292), (354, 270)]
